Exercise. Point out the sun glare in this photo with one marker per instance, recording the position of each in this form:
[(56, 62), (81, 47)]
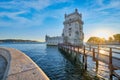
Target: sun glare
[(102, 34)]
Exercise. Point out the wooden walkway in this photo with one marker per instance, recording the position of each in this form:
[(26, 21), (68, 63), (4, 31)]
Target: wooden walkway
[(108, 55)]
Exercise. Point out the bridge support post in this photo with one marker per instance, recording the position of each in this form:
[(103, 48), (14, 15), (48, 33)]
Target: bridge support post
[(97, 58), (97, 65), (85, 62), (90, 47), (77, 55), (84, 59), (78, 49), (93, 54), (74, 48), (83, 54), (110, 64), (70, 49)]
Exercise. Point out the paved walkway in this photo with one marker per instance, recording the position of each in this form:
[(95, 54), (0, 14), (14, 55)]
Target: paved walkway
[(22, 67)]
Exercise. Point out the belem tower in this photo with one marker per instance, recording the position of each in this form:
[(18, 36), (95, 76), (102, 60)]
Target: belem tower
[(72, 31)]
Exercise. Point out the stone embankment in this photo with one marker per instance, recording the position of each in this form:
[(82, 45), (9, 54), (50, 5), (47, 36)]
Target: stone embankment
[(20, 66)]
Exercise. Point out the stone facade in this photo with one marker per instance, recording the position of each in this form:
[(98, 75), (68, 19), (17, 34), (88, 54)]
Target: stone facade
[(73, 29), (72, 32), (53, 40)]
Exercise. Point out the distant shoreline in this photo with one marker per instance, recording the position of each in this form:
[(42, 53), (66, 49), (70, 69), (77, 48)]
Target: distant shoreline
[(25, 43), (20, 41)]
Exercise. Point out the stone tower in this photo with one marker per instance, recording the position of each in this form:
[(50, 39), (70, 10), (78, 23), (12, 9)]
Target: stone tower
[(73, 29)]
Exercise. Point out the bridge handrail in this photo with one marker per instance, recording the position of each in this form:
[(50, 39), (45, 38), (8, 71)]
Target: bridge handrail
[(101, 48), (96, 48), (96, 55)]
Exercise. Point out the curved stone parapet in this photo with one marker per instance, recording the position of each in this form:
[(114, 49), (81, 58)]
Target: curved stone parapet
[(20, 66)]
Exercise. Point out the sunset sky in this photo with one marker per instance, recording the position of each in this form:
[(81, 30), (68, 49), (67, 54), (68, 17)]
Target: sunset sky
[(33, 19)]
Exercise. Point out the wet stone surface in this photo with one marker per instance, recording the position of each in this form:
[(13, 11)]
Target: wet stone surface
[(3, 64)]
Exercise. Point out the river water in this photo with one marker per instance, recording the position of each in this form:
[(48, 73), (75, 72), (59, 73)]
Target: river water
[(52, 62), (56, 65), (3, 65)]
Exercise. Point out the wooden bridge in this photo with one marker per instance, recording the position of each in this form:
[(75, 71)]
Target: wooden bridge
[(108, 55)]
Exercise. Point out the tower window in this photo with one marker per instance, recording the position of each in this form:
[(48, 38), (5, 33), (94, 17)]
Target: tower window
[(69, 34), (69, 24), (77, 32), (70, 28)]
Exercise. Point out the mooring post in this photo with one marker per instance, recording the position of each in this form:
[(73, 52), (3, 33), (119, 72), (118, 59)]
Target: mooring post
[(110, 64)]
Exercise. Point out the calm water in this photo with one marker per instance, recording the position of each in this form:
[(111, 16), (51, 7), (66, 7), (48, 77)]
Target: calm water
[(53, 63), (3, 64)]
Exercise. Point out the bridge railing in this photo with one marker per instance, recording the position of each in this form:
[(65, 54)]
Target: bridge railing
[(108, 55)]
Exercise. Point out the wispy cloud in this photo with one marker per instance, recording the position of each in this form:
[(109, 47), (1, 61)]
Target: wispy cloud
[(23, 7), (25, 4), (112, 4), (34, 13)]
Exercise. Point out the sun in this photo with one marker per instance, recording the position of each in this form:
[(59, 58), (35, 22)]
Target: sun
[(103, 34)]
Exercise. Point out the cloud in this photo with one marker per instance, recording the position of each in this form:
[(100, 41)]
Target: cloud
[(27, 4), (36, 20), (102, 10), (23, 7), (34, 13), (111, 4), (22, 4)]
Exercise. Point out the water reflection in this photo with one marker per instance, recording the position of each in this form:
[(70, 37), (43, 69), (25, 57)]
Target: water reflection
[(103, 70), (56, 65), (53, 63), (103, 52)]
